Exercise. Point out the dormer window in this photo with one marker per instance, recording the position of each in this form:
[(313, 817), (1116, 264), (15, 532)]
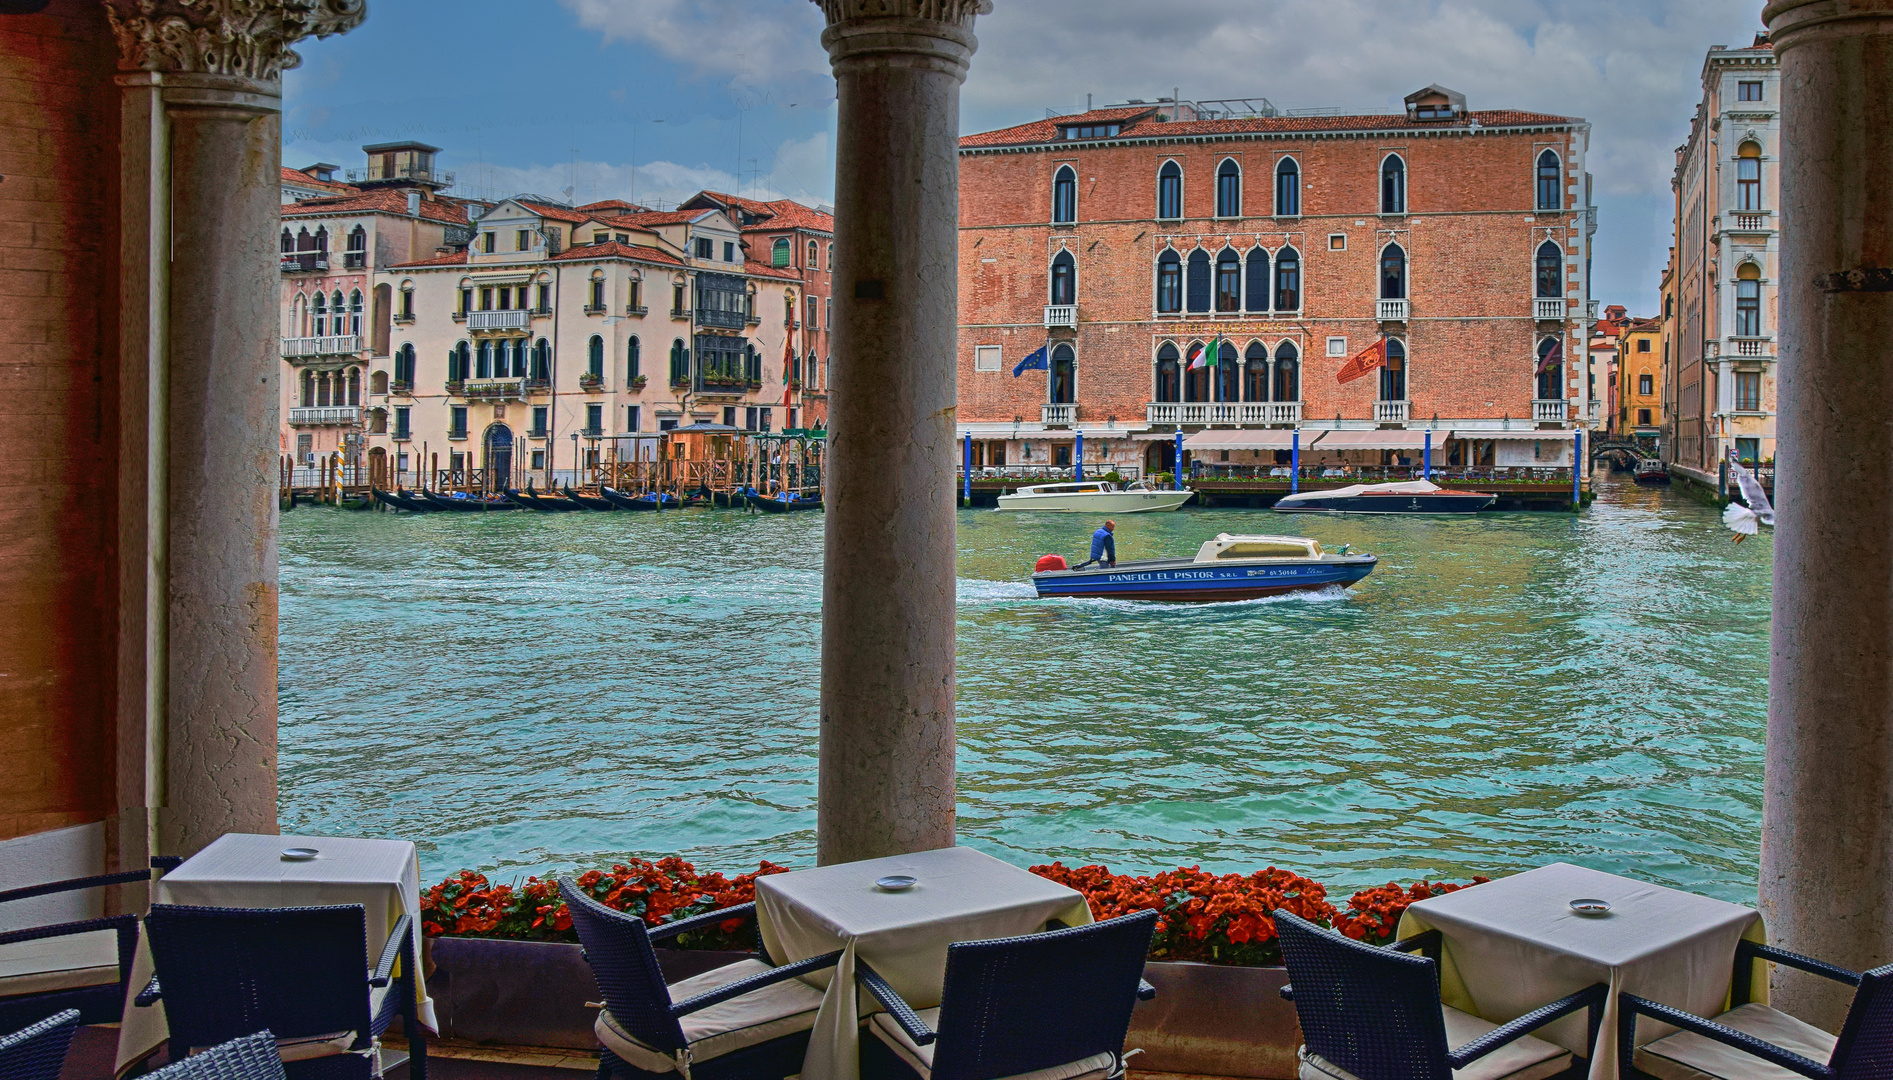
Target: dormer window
[(624, 238), (1441, 111), (1092, 131)]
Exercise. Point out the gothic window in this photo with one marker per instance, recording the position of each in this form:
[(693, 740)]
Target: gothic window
[(1393, 272), (1550, 182), (1550, 370), (1228, 373), (631, 358), (404, 365), (679, 363), (1064, 386), (1064, 279), (595, 358), (1393, 376), (1393, 185), (1170, 191), (1287, 372), (1550, 270), (1064, 197), (1169, 383), (1288, 280), (1228, 281), (1169, 282), (1229, 189), (483, 367), (319, 315), (355, 312), (1258, 288), (354, 386), (1199, 280), (1255, 373), (1287, 188), (1195, 379), (541, 361)]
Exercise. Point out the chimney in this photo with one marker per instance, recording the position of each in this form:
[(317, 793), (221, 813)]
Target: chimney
[(414, 204)]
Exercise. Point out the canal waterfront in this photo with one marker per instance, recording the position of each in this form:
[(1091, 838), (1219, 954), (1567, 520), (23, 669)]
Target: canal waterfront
[(528, 692)]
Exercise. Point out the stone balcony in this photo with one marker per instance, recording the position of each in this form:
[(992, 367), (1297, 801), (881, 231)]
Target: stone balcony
[(1233, 413), (1061, 316), (1547, 308), (1058, 414), (1391, 412), (1549, 410), (1391, 311), (498, 320), (325, 416), (303, 350)]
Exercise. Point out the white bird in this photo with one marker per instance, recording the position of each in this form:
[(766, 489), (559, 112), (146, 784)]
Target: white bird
[(1746, 521)]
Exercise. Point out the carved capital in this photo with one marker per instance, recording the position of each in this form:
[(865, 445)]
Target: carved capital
[(247, 39), (957, 13)]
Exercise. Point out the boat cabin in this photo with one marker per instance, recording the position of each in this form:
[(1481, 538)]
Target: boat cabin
[(1083, 487), (1226, 547)]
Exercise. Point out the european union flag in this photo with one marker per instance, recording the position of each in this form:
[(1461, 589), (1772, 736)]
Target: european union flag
[(1033, 362)]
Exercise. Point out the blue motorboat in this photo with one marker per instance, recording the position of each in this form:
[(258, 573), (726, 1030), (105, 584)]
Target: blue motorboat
[(1226, 568)]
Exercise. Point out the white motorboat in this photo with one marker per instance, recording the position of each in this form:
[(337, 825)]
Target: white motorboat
[(1093, 497)]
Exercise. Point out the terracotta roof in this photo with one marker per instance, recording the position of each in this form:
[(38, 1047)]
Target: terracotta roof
[(556, 213), (454, 258), (782, 213), (1047, 131), (385, 201), (762, 269), (612, 204), (651, 218), (640, 252)]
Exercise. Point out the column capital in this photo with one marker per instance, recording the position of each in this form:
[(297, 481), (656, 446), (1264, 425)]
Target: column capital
[(931, 34), (243, 39), (1789, 22), (956, 13)]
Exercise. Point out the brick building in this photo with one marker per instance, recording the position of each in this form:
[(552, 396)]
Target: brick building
[(1126, 239)]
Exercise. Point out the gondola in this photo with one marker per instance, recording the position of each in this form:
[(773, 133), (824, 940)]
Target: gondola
[(589, 502), (647, 501), (731, 500), (401, 500), (551, 504), (777, 504), (466, 504)]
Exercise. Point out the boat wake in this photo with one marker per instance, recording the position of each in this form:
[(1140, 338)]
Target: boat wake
[(977, 593)]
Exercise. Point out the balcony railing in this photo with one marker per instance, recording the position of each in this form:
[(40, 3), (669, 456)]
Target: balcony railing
[(594, 309), (1590, 309), (636, 309), (1548, 410), (331, 345), (1059, 414), (499, 320), (721, 319), (680, 313), (1065, 315), (304, 262), (1391, 412), (1391, 310), (354, 260), (400, 386), (495, 390), (1547, 308), (538, 386), (325, 415), (1751, 347), (1177, 412), (591, 431), (1751, 222)]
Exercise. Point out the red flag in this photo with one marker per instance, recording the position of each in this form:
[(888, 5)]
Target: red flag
[(1553, 356), (1366, 360), (788, 360)]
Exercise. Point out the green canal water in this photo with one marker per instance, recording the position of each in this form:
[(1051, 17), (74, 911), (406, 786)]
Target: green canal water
[(528, 692)]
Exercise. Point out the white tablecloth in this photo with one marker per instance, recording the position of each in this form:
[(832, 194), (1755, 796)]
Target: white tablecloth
[(1514, 944), (247, 870), (962, 895)]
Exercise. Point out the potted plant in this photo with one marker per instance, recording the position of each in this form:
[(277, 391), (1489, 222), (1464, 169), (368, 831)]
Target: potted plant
[(590, 380), (638, 382)]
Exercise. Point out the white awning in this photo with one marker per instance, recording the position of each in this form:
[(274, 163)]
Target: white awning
[(1540, 435), (1245, 439), (1390, 439)]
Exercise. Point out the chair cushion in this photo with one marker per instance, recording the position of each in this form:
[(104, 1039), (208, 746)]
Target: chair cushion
[(65, 962), (327, 1044), (1524, 1058), (920, 1058), (776, 1010), (1688, 1056)]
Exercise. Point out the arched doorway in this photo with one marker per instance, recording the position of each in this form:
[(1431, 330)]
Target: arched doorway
[(499, 457), (378, 467)]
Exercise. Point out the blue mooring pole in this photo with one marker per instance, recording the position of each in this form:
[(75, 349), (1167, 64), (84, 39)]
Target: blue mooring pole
[(1577, 464), (1078, 457), (1294, 462), (966, 458), (1426, 457), (1179, 463)]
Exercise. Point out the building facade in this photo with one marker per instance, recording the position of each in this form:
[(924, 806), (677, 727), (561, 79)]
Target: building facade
[(1128, 241), (1639, 383), (1724, 270)]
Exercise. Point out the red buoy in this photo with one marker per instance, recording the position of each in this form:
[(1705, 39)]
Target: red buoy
[(1050, 562)]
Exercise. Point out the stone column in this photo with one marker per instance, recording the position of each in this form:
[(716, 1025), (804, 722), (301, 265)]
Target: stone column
[(1827, 814), (202, 123), (888, 584)]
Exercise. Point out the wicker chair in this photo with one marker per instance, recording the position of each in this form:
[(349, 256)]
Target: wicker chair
[(1058, 1003), (75, 965), (224, 973), (1375, 1014), (742, 1021), (252, 1057), (37, 1052), (1753, 1040)]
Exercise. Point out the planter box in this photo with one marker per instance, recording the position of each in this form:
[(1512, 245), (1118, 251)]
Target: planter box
[(1206, 1020), (1212, 1020)]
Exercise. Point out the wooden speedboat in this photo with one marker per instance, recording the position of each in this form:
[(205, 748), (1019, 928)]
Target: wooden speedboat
[(466, 504), (1226, 568), (531, 500), (401, 500), (1093, 497), (589, 502), (1651, 471), (786, 503), (650, 500), (1406, 497)]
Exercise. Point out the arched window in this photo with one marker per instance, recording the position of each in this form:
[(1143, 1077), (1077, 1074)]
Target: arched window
[(1287, 188), (404, 366), (809, 368), (1229, 189), (595, 357), (308, 388), (1228, 373), (289, 242), (1288, 280), (1169, 282), (631, 358), (319, 316), (779, 252), (304, 242), (1198, 296), (1196, 385), (1228, 280), (1255, 373), (813, 262), (1550, 369), (459, 363), (519, 358), (1170, 191), (1393, 376), (1550, 270), (1169, 381), (1748, 176), (354, 386), (298, 313), (358, 239), (1393, 185), (338, 320), (1064, 388), (679, 363), (541, 361), (1064, 196), (322, 238), (1550, 182), (1393, 272), (1258, 285), (1748, 301), (1287, 372), (483, 364), (378, 382), (831, 257), (355, 312), (1064, 279)]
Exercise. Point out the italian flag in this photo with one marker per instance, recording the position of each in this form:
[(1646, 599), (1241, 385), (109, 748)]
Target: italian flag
[(1206, 355)]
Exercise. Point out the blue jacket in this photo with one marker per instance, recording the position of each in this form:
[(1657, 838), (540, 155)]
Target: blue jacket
[(1103, 546)]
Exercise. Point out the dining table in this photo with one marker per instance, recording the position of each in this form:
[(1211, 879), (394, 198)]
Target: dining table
[(1514, 944), (902, 931), (255, 870)]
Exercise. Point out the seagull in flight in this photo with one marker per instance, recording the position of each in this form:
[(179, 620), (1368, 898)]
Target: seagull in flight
[(1746, 521)]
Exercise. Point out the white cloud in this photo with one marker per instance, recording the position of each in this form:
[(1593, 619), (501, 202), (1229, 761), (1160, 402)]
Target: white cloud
[(770, 48), (807, 176)]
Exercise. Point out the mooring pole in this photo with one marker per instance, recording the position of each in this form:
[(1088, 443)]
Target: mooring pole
[(1294, 461), (966, 467), (1179, 460), (1426, 457), (1577, 465)]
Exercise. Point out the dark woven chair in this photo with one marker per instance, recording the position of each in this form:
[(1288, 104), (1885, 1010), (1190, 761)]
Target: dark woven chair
[(252, 1057), (742, 1021), (1375, 1014), (75, 977), (224, 973), (1752, 1039), (37, 1052), (1059, 1000)]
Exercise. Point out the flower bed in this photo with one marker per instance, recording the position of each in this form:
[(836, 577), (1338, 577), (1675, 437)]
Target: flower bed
[(1206, 918)]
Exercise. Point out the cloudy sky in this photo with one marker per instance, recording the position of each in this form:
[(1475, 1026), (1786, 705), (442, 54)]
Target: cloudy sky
[(654, 99)]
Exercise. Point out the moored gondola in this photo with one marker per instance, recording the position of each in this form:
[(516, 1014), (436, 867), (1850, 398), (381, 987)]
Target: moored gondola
[(530, 500), (650, 500), (466, 504), (401, 500), (588, 502), (786, 503)]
